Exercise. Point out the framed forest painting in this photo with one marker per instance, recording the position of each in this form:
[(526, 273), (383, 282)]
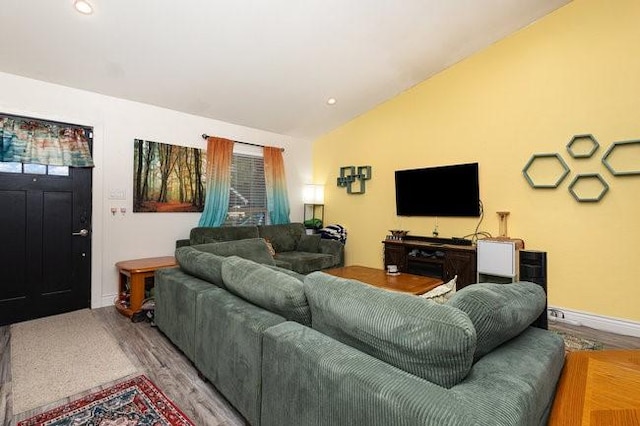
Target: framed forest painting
[(167, 178)]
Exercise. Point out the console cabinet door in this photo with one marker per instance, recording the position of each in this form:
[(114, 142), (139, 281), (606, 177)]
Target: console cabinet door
[(394, 255), (462, 264)]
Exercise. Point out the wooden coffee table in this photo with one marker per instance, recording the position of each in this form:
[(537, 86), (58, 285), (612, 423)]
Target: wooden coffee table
[(405, 283), (598, 388)]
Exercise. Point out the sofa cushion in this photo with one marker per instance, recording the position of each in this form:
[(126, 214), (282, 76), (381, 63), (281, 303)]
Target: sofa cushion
[(309, 243), (283, 237), (206, 266), (283, 264), (427, 339), (203, 235), (303, 262), (270, 289), (253, 249), (499, 312), (294, 274)]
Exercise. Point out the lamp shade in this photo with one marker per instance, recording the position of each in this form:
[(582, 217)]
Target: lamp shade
[(313, 194)]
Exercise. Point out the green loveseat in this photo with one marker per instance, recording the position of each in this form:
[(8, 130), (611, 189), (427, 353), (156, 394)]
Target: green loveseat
[(290, 349), (294, 249)]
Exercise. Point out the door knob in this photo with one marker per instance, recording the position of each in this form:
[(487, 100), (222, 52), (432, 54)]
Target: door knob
[(81, 233)]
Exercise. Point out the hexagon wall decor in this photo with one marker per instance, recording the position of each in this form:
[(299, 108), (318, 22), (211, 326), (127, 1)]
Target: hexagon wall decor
[(585, 178), (582, 146), (618, 147), (554, 181)]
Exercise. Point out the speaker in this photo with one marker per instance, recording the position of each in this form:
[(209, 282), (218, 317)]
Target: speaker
[(533, 268)]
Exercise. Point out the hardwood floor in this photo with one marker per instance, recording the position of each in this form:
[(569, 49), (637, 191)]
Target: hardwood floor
[(608, 340), (598, 388), (154, 355)]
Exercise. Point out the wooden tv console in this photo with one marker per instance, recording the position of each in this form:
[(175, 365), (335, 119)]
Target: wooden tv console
[(432, 257)]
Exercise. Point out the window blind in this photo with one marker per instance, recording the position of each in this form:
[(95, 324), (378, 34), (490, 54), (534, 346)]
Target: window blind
[(248, 195)]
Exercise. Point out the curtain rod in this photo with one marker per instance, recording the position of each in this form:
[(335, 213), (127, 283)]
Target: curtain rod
[(206, 136)]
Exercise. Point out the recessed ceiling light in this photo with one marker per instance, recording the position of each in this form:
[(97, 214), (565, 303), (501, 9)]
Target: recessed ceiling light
[(83, 7), (331, 101)]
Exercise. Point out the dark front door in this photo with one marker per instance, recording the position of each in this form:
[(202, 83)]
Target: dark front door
[(45, 240)]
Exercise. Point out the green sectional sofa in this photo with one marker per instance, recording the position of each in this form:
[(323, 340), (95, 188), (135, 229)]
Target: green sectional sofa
[(292, 349), (294, 249)]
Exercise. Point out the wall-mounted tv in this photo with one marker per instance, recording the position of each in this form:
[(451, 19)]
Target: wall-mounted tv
[(438, 191)]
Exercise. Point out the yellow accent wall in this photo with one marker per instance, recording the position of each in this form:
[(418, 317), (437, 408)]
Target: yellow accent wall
[(575, 71)]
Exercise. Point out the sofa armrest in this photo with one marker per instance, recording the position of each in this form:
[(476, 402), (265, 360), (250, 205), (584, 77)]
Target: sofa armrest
[(183, 243), (309, 378), (334, 248), (175, 313), (515, 383)]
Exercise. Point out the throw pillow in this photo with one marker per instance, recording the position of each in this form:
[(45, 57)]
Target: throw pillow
[(273, 290), (309, 243), (206, 266), (499, 312), (272, 251), (443, 292), (430, 340)]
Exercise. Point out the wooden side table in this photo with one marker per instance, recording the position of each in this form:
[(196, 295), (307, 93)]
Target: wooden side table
[(598, 388), (136, 272)]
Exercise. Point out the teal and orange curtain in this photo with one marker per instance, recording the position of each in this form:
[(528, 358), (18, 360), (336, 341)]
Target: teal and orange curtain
[(276, 186), (29, 141), (219, 159)]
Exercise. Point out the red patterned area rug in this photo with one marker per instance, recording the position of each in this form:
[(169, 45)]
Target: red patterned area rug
[(134, 402)]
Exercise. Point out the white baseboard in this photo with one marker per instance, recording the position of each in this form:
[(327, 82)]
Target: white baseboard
[(613, 325), (107, 300)]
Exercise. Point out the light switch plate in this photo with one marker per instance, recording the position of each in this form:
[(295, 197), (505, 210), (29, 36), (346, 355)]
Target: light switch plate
[(117, 194)]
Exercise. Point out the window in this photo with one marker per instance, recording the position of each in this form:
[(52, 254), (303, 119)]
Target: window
[(248, 195), (34, 169)]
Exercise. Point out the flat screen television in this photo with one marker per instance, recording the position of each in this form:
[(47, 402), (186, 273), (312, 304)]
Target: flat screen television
[(438, 191)]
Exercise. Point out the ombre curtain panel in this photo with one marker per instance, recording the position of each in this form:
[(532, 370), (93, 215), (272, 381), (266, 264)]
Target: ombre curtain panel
[(30, 141), (219, 158), (276, 186)]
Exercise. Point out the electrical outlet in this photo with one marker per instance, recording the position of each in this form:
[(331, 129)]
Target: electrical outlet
[(555, 313)]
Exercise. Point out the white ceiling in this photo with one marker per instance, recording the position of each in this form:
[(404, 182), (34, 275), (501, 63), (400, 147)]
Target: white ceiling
[(270, 64)]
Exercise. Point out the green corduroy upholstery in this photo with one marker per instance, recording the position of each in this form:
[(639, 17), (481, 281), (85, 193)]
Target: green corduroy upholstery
[(288, 271), (499, 312), (433, 341), (229, 348), (282, 237), (252, 248), (175, 312), (305, 262), (206, 266), (515, 383), (270, 289), (294, 249), (202, 235), (373, 357), (310, 379), (309, 243)]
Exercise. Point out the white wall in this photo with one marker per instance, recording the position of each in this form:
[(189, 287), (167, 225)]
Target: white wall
[(116, 124)]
